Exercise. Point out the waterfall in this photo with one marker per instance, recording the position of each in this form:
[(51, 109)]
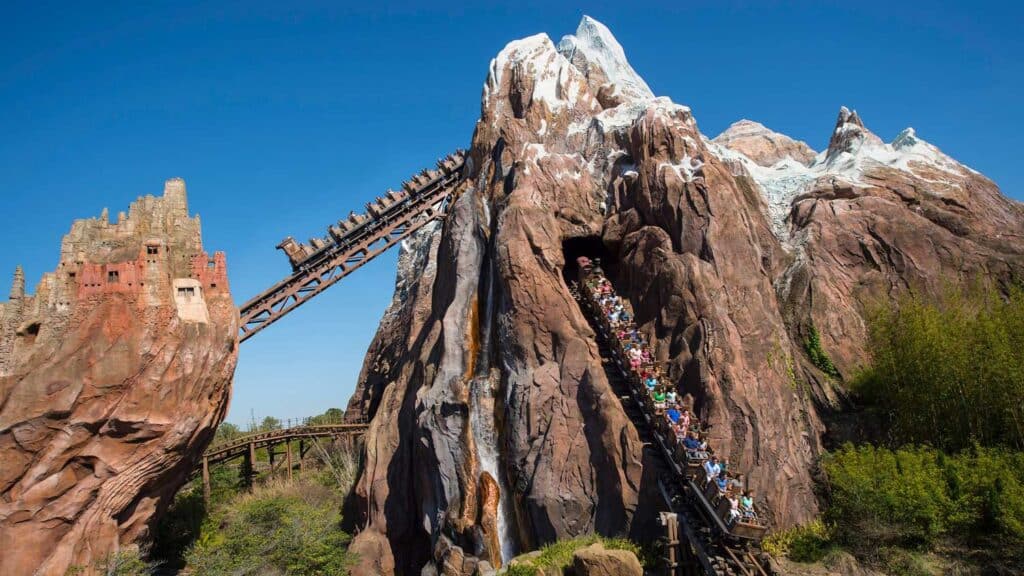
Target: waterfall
[(489, 455), (483, 413)]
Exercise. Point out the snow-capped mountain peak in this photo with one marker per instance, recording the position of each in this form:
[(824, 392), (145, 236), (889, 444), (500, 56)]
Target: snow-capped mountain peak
[(855, 156), (849, 134), (595, 52), (762, 145)]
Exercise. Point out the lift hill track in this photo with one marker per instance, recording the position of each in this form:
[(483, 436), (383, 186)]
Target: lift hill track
[(352, 242), (699, 539)]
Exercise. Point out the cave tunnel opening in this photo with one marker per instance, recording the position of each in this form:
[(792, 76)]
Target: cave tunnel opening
[(590, 246)]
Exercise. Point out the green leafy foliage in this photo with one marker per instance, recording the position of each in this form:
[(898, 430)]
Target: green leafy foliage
[(914, 497), (227, 432), (181, 525), (949, 371), (810, 542), (269, 423), (126, 562), (285, 528), (331, 416), (818, 355), (281, 527)]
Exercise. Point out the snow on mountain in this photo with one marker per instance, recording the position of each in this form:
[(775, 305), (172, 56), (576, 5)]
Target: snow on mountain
[(591, 64), (764, 146), (596, 52), (853, 156), (555, 81)]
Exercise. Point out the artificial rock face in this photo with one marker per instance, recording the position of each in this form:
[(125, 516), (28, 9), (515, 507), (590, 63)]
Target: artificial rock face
[(485, 377), (113, 378)]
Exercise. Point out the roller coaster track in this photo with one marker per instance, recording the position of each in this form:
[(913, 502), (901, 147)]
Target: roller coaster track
[(245, 447), (239, 447), (704, 551), (388, 221)]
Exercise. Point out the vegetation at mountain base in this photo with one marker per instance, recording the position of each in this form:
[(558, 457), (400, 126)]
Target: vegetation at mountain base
[(557, 555), (287, 527), (947, 377), (280, 528), (127, 562), (810, 542), (949, 371), (919, 498)]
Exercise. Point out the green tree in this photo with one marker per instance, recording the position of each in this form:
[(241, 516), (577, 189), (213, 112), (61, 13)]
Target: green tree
[(949, 371), (269, 423), (914, 497), (226, 432)]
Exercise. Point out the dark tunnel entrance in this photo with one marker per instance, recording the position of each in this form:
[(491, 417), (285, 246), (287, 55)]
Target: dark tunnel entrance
[(590, 246)]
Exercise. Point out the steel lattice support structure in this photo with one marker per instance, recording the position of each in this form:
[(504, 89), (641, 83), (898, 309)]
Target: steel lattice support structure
[(426, 199)]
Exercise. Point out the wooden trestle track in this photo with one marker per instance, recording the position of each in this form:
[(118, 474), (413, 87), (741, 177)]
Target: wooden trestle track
[(354, 242), (696, 540), (245, 447)]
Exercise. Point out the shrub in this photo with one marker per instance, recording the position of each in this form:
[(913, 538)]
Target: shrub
[(181, 525), (949, 371), (915, 496), (817, 354), (810, 542), (281, 527), (288, 527), (126, 562)]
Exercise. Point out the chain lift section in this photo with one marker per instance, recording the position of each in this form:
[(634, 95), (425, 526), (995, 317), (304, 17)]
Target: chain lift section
[(353, 242)]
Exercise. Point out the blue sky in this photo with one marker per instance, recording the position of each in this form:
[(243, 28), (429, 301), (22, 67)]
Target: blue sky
[(283, 116)]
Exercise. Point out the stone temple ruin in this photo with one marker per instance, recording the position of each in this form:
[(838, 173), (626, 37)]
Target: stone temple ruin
[(152, 252), (113, 377)]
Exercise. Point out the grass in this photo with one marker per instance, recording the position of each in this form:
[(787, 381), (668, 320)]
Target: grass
[(280, 527), (283, 527), (558, 555)]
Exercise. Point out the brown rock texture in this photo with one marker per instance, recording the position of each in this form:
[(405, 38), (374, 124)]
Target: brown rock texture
[(596, 560), (113, 378), (484, 365), (762, 145), (867, 221)]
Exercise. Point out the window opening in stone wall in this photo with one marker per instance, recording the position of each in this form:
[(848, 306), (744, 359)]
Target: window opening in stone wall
[(30, 332), (113, 277), (187, 292), (152, 250)]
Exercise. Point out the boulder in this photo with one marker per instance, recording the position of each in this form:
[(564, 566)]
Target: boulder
[(596, 560)]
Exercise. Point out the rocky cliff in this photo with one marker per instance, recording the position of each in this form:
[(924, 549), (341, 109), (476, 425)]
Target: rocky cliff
[(485, 377), (113, 378)]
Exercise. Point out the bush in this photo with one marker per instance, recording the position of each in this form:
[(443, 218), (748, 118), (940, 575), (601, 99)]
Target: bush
[(126, 562), (915, 496), (817, 354), (808, 543), (284, 527), (949, 371), (180, 526)]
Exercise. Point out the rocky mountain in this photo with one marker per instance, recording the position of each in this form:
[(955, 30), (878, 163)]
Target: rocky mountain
[(762, 146), (493, 426), (113, 377)]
